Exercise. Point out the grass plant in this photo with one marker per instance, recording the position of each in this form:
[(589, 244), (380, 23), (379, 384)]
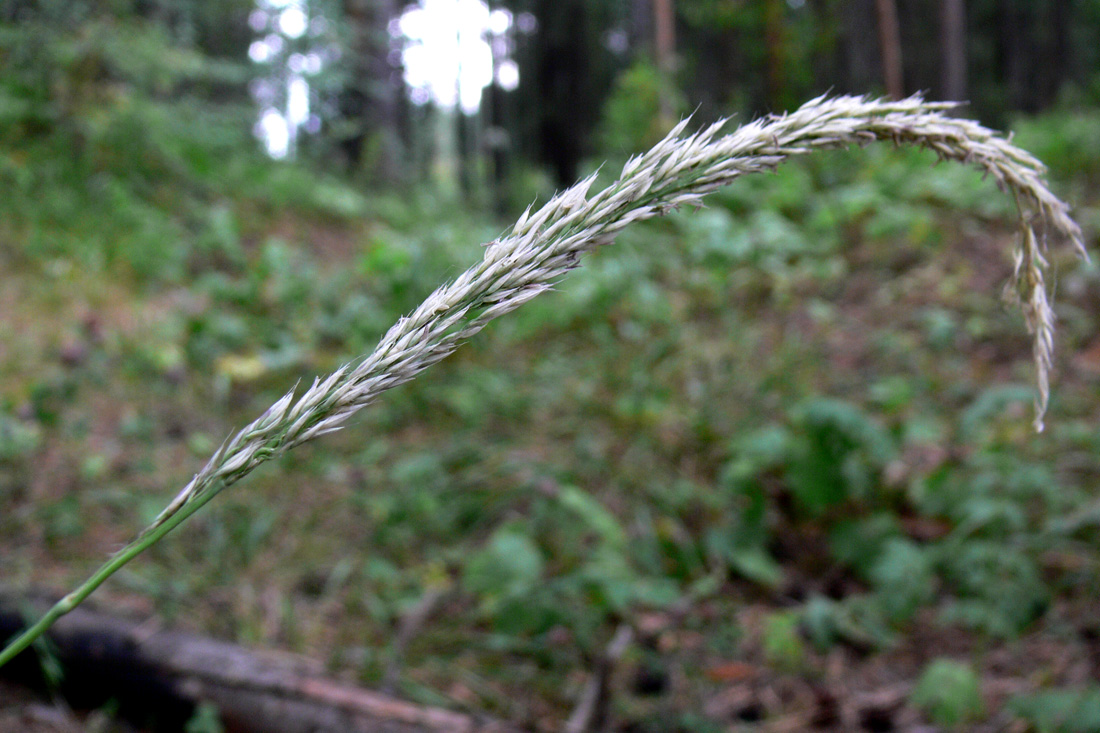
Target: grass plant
[(546, 244)]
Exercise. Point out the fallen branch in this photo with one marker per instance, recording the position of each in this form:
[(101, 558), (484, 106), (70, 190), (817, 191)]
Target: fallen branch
[(162, 676), (593, 699)]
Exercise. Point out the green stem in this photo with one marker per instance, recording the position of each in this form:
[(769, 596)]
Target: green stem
[(109, 568)]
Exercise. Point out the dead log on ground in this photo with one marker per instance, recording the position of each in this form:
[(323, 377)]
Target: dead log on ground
[(159, 677)]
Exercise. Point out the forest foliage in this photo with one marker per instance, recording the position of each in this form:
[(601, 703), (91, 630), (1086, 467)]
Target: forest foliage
[(801, 433)]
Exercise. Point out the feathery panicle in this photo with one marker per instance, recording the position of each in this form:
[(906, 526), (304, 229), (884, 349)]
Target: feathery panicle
[(546, 244)]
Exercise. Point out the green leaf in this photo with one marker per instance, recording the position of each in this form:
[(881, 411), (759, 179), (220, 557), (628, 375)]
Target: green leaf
[(592, 513), (859, 542), (755, 564), (949, 693), (1059, 711), (18, 439), (1000, 589), (782, 641), (757, 451), (904, 578), (611, 579), (656, 592), (838, 454), (509, 565)]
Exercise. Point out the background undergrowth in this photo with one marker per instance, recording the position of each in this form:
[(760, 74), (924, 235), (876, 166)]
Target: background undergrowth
[(789, 428)]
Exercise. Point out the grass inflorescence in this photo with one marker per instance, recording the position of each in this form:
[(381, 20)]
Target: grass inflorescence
[(546, 244)]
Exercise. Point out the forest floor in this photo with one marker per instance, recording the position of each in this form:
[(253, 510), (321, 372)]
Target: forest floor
[(785, 441)]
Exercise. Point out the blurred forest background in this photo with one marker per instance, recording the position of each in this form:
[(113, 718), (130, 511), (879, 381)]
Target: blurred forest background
[(784, 440)]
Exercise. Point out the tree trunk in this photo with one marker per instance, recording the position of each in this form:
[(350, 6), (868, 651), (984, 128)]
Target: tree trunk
[(370, 103), (640, 20), (889, 33), (497, 119), (953, 34), (773, 44), (664, 21), (556, 67), (157, 678), (1017, 45), (826, 46), (859, 50), (1058, 48)]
